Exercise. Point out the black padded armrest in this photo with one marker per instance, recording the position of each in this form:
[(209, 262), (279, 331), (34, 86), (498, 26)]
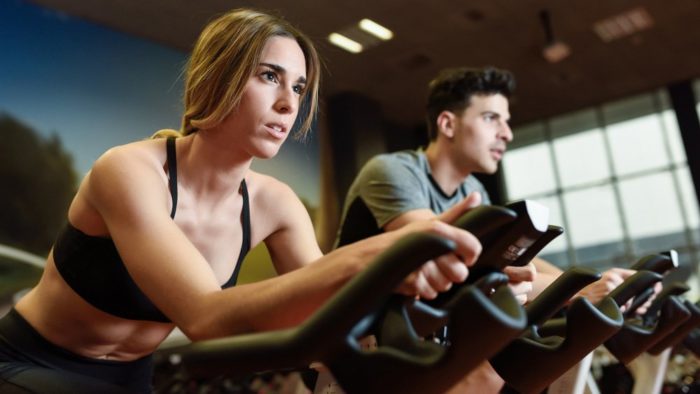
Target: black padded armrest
[(660, 263), (507, 235), (323, 334), (404, 363), (504, 247), (692, 340), (485, 222), (672, 289), (585, 327), (544, 240), (633, 286), (530, 364), (558, 293), (427, 319), (635, 337), (681, 332)]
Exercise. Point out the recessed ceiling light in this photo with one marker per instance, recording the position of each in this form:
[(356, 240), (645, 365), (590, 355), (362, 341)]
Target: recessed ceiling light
[(376, 29), (343, 42)]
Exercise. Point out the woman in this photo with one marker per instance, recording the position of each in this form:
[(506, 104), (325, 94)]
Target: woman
[(158, 228)]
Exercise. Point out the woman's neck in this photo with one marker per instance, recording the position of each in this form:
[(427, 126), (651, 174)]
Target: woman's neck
[(208, 165)]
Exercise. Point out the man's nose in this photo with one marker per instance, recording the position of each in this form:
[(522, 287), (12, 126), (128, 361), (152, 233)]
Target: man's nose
[(506, 132)]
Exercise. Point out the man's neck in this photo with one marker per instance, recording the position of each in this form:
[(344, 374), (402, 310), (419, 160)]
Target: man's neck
[(443, 170)]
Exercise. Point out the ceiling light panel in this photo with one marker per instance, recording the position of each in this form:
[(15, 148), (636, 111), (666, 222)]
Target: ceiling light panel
[(361, 36), (375, 29), (344, 42), (624, 24)]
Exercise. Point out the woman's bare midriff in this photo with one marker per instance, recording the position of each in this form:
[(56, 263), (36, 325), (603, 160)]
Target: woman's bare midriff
[(63, 318)]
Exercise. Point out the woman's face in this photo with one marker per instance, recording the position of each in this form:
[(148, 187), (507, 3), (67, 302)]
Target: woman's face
[(270, 101)]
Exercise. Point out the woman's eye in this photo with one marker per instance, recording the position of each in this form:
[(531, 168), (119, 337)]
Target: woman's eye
[(298, 89), (269, 76)]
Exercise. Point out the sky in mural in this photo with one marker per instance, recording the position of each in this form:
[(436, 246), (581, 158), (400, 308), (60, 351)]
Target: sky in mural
[(97, 88)]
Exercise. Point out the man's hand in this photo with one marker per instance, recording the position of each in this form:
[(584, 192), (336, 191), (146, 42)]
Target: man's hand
[(473, 200), (610, 279), (643, 309), (520, 280)]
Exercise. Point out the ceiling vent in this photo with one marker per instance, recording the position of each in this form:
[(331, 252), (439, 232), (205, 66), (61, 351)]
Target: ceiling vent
[(624, 24)]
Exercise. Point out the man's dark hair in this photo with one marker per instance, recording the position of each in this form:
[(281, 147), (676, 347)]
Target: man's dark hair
[(453, 89)]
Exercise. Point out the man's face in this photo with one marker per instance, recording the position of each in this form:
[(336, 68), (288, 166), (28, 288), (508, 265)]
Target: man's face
[(481, 133)]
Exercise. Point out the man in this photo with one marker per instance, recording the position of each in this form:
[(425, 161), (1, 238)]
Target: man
[(467, 119)]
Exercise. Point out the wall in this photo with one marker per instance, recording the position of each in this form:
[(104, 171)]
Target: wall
[(86, 88)]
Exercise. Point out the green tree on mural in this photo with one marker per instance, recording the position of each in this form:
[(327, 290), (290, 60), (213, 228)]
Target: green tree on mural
[(38, 182)]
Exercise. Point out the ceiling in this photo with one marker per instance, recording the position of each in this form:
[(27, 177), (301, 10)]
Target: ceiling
[(430, 35)]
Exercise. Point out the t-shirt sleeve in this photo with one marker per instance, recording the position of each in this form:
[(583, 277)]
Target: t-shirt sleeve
[(390, 187)]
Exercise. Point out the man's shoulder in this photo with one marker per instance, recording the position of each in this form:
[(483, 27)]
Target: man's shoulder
[(401, 155), (404, 158), (473, 184), (401, 169), (471, 180)]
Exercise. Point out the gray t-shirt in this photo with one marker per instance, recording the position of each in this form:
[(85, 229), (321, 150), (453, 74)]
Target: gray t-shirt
[(391, 184)]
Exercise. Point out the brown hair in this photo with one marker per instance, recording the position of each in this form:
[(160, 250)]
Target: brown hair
[(453, 88), (226, 55)]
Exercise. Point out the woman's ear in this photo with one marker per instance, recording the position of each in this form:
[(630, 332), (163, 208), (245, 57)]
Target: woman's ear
[(446, 123)]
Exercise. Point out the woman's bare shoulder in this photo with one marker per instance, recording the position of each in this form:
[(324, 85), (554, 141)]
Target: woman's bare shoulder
[(267, 189), (123, 173), (144, 152), (135, 167)]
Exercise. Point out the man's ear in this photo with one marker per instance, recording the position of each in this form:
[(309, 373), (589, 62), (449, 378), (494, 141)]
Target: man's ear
[(446, 123)]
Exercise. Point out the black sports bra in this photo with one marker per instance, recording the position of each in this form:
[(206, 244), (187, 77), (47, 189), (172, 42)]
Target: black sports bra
[(92, 267)]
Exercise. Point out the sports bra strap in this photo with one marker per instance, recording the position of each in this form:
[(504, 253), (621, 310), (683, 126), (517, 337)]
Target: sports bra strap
[(245, 245), (245, 213), (172, 172), (245, 218)]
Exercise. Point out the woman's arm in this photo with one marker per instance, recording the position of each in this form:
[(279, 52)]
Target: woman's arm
[(128, 191), (277, 213)]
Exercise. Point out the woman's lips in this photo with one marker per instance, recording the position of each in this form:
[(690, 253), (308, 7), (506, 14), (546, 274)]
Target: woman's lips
[(277, 130)]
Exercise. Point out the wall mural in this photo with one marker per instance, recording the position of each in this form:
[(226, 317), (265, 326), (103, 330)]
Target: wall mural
[(70, 90)]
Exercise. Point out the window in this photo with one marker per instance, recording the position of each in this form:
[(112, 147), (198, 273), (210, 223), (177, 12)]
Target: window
[(690, 202), (637, 145), (615, 177), (581, 158), (674, 137), (651, 207), (594, 223), (531, 171)]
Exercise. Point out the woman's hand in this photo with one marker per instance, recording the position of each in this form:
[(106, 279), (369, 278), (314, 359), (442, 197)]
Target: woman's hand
[(439, 274)]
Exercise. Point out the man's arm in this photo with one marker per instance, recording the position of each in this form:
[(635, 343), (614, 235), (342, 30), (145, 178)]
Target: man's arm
[(546, 274), (596, 291), (521, 278), (449, 216)]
